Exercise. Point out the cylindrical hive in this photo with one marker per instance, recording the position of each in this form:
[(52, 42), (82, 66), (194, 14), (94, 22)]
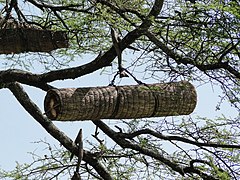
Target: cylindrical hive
[(121, 102), (18, 38)]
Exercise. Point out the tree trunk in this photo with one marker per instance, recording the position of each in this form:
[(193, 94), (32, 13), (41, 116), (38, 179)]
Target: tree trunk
[(121, 102)]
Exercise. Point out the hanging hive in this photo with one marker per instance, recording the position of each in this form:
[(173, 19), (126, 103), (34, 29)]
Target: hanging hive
[(19, 38), (121, 102)]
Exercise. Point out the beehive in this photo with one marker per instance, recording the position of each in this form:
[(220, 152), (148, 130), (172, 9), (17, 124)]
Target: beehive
[(120, 102), (19, 38)]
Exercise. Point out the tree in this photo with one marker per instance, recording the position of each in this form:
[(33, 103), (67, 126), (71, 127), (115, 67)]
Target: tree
[(198, 42)]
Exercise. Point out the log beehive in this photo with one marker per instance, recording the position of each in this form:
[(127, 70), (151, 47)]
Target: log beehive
[(17, 38), (120, 102)]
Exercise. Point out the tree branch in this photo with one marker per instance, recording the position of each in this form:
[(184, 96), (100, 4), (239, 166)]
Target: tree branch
[(121, 11), (12, 75), (41, 80), (185, 60), (175, 138), (146, 151), (36, 113), (70, 7)]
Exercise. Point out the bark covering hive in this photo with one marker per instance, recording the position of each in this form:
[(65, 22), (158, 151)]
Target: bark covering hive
[(121, 102)]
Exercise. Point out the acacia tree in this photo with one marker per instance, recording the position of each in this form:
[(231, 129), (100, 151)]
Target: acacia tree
[(193, 40)]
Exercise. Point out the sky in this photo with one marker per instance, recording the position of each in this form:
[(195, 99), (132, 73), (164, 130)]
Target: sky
[(19, 131)]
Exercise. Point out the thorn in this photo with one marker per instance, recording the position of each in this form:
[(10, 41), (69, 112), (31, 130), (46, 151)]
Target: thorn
[(122, 72), (79, 144)]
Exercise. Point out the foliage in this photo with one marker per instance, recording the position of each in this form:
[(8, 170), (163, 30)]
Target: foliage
[(198, 42)]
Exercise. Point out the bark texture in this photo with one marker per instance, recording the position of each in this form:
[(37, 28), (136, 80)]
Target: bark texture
[(121, 102)]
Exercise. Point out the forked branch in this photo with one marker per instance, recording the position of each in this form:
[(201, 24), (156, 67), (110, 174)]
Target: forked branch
[(36, 113), (124, 143)]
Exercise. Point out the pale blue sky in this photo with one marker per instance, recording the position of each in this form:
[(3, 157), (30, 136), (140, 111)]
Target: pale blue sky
[(18, 129)]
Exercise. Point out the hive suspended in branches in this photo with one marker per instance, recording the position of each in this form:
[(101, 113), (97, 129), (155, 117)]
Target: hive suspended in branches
[(18, 37), (121, 102)]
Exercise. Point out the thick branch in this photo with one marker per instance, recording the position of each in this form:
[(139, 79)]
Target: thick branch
[(185, 60), (147, 151), (12, 75), (70, 7), (41, 80), (175, 138), (127, 144), (36, 113)]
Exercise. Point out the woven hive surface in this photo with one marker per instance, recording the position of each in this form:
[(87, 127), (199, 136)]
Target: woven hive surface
[(122, 102), (17, 39)]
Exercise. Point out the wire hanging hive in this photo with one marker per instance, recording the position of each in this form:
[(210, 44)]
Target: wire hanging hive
[(18, 37), (122, 102)]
